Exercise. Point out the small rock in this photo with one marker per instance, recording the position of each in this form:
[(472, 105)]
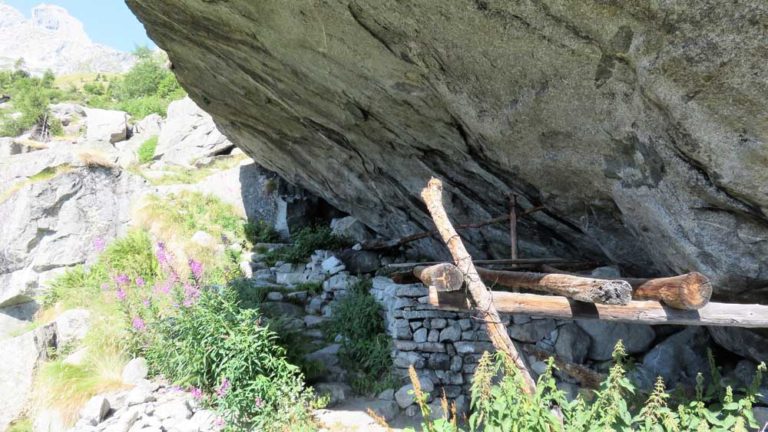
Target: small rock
[(95, 410), (49, 420), (332, 265), (450, 334), (299, 296), (139, 395), (328, 356), (182, 426), (636, 338), (71, 326), (275, 296), (360, 262), (205, 419), (606, 272), (532, 331), (420, 335), (388, 394), (337, 392), (246, 269), (175, 409), (572, 343), (204, 239), (761, 416), (404, 396), (311, 321), (135, 371), (77, 357)]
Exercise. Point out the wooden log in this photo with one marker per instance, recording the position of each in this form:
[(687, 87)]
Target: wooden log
[(393, 243), (616, 292), (688, 291), (446, 277), (497, 331), (638, 312), (584, 375)]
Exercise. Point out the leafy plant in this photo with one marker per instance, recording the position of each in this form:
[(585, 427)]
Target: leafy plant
[(304, 243), (234, 359), (147, 150), (365, 345), (261, 232), (499, 404)]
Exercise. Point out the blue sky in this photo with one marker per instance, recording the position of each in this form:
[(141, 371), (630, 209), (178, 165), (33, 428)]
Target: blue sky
[(108, 22)]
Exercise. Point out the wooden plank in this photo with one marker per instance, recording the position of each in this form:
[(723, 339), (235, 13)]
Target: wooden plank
[(497, 331), (523, 261), (637, 312)]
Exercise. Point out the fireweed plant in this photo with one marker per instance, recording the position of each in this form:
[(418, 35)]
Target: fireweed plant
[(198, 337)]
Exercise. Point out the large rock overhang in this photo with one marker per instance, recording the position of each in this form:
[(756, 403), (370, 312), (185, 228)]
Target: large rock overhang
[(641, 127)]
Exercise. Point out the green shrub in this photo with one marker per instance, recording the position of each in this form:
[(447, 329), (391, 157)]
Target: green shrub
[(23, 425), (234, 359), (147, 150), (499, 404), (365, 346), (304, 243), (261, 232), (188, 212)]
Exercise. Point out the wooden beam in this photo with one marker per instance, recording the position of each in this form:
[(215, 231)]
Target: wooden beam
[(497, 331), (637, 312), (519, 261), (446, 277), (393, 243)]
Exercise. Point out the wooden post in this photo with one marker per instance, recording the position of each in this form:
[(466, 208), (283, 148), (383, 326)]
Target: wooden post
[(513, 226), (444, 277), (497, 331), (636, 312)]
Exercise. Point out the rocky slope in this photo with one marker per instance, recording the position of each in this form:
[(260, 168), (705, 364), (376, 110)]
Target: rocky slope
[(53, 39), (636, 125)]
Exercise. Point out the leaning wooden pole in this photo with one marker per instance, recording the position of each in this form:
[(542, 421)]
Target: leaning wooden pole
[(497, 331)]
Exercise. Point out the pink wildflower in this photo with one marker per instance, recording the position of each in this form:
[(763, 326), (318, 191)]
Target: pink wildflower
[(147, 302), (99, 244), (197, 269), (138, 324), (196, 393), (258, 402), (121, 294), (191, 294), (223, 388), (140, 281), (104, 286), (161, 254), (122, 279)]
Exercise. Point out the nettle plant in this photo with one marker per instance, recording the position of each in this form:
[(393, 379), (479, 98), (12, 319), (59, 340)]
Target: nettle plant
[(199, 338), (499, 404)]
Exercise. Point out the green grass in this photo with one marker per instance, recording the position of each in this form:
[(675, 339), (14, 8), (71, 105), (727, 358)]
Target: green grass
[(181, 175), (23, 425), (147, 150), (185, 213)]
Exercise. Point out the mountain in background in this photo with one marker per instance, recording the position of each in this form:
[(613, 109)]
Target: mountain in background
[(53, 39)]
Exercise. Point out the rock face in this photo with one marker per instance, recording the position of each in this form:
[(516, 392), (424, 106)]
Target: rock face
[(56, 217), (189, 134), (20, 356), (53, 39), (632, 123)]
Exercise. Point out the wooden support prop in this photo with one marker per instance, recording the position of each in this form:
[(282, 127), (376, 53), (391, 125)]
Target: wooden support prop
[(586, 376), (389, 244), (637, 312), (690, 291), (497, 331), (513, 226), (446, 277)]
